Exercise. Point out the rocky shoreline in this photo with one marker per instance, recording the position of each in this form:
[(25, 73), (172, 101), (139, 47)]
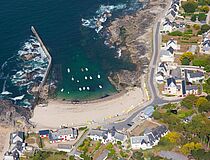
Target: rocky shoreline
[(132, 35)]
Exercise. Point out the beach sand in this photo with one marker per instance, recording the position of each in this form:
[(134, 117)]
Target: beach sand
[(61, 113)]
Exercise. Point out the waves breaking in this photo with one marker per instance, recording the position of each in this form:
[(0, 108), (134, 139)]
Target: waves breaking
[(22, 73)]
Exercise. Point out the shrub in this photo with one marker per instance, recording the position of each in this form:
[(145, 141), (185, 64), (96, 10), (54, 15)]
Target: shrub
[(202, 17), (196, 26), (205, 28), (193, 17), (189, 6), (175, 33), (185, 61)]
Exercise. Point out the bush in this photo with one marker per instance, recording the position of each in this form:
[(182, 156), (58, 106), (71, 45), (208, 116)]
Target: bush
[(175, 33), (205, 9), (202, 17), (185, 61), (193, 17), (189, 6), (205, 28), (196, 26)]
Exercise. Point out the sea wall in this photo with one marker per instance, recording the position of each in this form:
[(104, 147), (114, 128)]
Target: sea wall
[(47, 54)]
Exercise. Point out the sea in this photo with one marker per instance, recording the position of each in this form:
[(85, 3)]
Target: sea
[(74, 32)]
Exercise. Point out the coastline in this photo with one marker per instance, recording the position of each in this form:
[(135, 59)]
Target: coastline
[(98, 111)]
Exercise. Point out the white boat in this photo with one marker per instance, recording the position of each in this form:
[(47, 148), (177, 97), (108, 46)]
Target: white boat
[(100, 86), (68, 70), (85, 77), (88, 88), (68, 92), (62, 90), (86, 69), (83, 88), (91, 77), (99, 76), (77, 81), (80, 89), (72, 78)]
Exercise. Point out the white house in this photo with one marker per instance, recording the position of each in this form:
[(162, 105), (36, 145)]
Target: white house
[(106, 136), (166, 56), (172, 43), (194, 76), (162, 72), (149, 139), (63, 134), (17, 146), (167, 26)]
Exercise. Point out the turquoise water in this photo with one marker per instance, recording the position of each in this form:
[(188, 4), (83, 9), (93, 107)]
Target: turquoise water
[(71, 44)]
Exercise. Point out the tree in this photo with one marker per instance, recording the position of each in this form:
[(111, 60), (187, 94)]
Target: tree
[(205, 9), (200, 154), (202, 17), (188, 147), (200, 101), (196, 26), (138, 155), (189, 6), (205, 28), (193, 17), (187, 55), (156, 115), (173, 137), (204, 107), (185, 61), (71, 158), (206, 86), (189, 101), (207, 68)]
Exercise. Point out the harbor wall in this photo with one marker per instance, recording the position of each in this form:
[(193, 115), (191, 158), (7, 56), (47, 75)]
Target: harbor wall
[(47, 54)]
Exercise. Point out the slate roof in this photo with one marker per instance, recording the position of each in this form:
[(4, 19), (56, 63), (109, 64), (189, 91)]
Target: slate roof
[(104, 134), (150, 137), (53, 136), (14, 135), (171, 50), (176, 73), (44, 132), (195, 74), (170, 80), (191, 87)]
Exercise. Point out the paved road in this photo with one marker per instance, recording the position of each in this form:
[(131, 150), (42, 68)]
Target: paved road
[(156, 99)]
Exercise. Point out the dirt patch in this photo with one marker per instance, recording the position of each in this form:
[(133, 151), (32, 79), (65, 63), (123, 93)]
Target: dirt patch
[(4, 139), (139, 129)]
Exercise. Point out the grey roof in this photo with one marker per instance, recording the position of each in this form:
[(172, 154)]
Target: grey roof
[(150, 137), (104, 133), (165, 53), (53, 136), (171, 50), (103, 156), (172, 155), (195, 74), (16, 134), (176, 73), (192, 48), (149, 110), (97, 132), (191, 87)]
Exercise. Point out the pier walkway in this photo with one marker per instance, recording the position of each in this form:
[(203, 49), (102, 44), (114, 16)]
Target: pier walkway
[(47, 54)]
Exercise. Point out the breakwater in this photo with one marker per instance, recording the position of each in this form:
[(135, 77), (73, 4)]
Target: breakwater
[(47, 54)]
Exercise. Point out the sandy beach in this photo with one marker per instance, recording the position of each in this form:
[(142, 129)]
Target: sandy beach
[(4, 139), (61, 113)]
